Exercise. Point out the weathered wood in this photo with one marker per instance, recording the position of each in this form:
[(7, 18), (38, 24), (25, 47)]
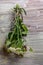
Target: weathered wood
[(34, 21)]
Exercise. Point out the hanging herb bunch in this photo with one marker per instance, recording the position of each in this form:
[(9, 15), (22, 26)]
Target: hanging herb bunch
[(15, 41)]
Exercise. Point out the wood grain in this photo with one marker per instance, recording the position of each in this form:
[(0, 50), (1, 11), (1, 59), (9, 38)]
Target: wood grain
[(34, 21)]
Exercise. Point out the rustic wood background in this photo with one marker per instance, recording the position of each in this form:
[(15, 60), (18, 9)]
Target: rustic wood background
[(34, 21)]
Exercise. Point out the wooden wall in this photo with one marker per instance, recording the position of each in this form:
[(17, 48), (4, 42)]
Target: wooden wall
[(34, 20)]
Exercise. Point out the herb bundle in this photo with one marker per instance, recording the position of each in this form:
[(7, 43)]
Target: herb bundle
[(15, 41)]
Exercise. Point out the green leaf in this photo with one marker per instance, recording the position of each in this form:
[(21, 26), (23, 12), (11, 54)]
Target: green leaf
[(9, 35), (24, 27), (25, 30), (31, 50), (20, 43), (24, 33), (24, 10), (8, 43)]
